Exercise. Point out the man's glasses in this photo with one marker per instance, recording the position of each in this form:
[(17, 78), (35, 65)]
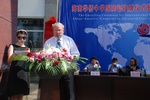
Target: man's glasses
[(20, 38)]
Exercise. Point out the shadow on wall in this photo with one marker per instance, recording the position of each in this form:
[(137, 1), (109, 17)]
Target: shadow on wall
[(4, 76), (5, 64)]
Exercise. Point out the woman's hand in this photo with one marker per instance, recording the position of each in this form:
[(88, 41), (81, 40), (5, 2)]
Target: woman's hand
[(14, 55)]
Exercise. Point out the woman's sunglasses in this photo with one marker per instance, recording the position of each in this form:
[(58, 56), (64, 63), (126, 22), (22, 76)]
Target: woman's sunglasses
[(20, 38)]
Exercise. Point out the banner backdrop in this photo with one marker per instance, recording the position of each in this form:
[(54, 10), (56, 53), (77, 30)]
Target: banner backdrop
[(109, 28)]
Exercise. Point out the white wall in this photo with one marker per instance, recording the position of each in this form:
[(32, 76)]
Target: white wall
[(31, 8)]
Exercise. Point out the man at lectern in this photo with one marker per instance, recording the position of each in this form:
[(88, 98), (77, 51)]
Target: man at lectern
[(59, 40)]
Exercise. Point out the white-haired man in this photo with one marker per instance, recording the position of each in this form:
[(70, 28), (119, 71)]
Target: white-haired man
[(69, 44)]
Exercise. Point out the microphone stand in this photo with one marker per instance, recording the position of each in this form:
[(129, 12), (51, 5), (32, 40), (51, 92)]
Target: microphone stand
[(31, 45)]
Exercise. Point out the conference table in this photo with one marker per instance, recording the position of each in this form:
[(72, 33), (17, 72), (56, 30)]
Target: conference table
[(111, 87), (107, 86)]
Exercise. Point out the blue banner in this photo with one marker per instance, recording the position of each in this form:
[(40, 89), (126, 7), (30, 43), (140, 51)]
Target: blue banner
[(109, 28)]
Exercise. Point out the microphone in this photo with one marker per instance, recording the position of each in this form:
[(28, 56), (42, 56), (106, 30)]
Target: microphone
[(31, 45)]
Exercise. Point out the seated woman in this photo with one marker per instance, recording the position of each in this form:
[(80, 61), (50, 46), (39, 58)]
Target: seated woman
[(133, 66), (93, 66)]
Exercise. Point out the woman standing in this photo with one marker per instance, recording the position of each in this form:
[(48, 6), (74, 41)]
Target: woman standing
[(18, 80)]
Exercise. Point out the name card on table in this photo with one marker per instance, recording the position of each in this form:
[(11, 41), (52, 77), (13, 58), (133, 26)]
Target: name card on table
[(135, 74), (95, 73)]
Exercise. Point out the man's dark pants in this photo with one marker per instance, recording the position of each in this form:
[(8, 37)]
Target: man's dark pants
[(67, 87)]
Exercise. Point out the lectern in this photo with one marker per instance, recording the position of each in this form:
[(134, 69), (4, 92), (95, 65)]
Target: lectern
[(49, 88)]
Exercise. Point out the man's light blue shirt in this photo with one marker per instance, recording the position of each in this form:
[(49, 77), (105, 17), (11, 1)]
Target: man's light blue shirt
[(66, 42), (113, 69)]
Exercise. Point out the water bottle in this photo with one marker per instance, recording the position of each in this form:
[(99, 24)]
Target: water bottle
[(143, 73), (98, 69)]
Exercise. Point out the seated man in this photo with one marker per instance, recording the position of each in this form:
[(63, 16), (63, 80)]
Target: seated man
[(93, 66), (114, 66)]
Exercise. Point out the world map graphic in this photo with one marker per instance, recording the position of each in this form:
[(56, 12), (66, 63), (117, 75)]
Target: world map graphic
[(118, 43)]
